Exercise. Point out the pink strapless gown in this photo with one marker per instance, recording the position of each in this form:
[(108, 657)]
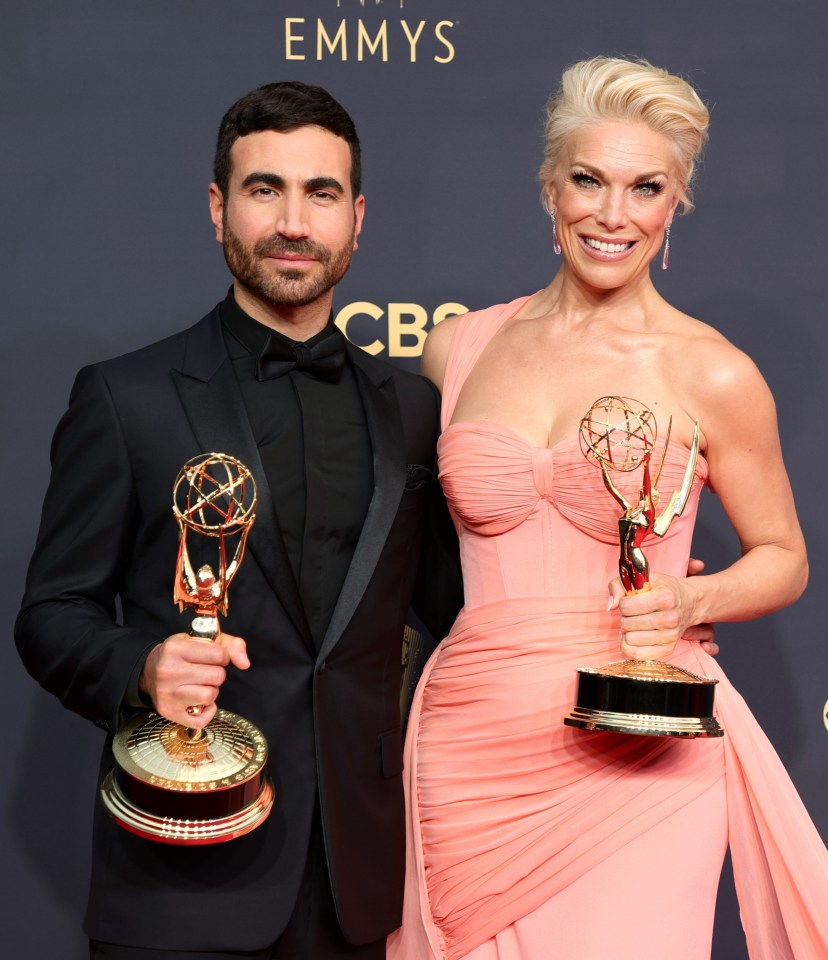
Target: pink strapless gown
[(529, 840)]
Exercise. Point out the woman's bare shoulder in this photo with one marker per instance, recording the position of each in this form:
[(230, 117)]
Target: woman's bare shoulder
[(436, 350), (714, 370)]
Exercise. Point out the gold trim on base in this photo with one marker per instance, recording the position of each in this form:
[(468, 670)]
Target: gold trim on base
[(179, 831), (648, 724), (158, 752), (655, 670)]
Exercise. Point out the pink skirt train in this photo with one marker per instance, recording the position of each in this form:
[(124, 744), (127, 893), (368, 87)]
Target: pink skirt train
[(529, 840)]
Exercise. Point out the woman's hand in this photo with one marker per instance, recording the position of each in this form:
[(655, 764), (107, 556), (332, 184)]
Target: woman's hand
[(653, 621)]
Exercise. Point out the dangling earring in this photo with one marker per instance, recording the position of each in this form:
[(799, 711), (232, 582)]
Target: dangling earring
[(665, 257), (555, 245)]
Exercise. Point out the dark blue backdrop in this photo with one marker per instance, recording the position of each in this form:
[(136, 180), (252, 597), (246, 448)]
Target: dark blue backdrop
[(109, 112)]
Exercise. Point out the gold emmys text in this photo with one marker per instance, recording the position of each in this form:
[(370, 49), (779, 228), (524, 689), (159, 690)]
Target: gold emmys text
[(354, 40)]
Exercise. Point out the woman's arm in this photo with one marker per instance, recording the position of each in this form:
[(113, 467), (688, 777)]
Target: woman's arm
[(747, 472)]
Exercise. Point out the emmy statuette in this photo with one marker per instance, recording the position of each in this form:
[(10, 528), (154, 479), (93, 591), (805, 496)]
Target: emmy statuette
[(175, 784), (648, 697)]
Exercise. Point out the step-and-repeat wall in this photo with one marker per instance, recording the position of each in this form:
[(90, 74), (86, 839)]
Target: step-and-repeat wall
[(109, 114)]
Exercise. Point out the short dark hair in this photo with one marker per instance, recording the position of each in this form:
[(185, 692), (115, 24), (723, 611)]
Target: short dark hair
[(284, 107)]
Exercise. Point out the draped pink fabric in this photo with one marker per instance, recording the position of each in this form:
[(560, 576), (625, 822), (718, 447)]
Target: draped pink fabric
[(522, 830)]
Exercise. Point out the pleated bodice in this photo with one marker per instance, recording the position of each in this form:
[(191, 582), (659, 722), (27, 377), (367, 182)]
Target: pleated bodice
[(539, 522)]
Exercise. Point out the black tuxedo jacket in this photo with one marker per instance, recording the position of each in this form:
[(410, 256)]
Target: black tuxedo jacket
[(331, 717)]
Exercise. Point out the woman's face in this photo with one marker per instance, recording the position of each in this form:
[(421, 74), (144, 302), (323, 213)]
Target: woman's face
[(614, 194)]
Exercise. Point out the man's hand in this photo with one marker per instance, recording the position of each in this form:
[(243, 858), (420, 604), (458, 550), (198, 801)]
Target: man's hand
[(701, 633), (184, 671)]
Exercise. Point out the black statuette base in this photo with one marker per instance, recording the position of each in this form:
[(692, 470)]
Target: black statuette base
[(646, 705)]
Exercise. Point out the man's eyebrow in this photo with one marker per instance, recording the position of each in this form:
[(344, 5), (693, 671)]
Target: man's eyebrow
[(323, 183), (274, 180), (269, 179)]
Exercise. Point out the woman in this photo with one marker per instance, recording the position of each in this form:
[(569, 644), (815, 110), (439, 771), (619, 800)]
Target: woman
[(529, 839)]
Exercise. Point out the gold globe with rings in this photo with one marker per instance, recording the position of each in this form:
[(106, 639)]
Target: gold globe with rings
[(618, 432), (214, 494)]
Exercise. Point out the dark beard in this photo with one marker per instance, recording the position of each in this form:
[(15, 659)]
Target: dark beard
[(288, 288)]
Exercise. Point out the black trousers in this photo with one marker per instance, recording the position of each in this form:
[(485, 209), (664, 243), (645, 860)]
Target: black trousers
[(312, 932)]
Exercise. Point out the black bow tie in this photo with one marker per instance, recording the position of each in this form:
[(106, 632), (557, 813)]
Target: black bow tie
[(323, 359)]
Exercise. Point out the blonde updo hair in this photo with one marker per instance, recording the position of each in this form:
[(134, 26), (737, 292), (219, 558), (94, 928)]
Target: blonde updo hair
[(612, 88)]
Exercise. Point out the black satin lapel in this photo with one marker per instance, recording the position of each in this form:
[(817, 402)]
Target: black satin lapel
[(216, 411), (382, 414)]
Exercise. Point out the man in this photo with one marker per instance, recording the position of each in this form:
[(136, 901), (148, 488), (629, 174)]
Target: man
[(342, 448)]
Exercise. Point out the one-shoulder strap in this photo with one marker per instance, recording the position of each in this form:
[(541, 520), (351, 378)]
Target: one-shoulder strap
[(473, 333)]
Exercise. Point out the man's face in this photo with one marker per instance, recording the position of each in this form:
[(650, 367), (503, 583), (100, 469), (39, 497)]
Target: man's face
[(289, 221)]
